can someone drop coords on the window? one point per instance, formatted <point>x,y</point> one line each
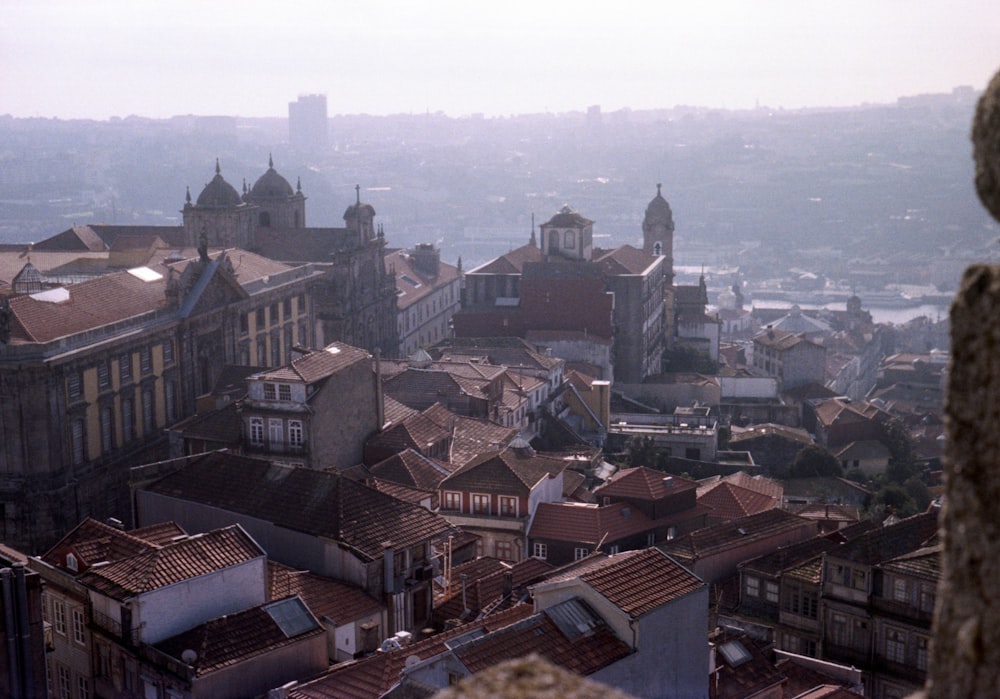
<point>615,548</point>
<point>858,579</point>
<point>895,645</point>
<point>579,553</point>
<point>303,339</point>
<point>275,349</point>
<point>288,342</point>
<point>650,538</point>
<point>244,323</point>
<point>125,368</point>
<point>74,386</point>
<point>295,434</point>
<point>145,360</point>
<point>261,351</point>
<point>59,616</point>
<point>82,688</point>
<point>257,431</point>
<point>926,597</point>
<point>62,672</point>
<point>287,308</point>
<point>284,391</point>
<point>751,586</point>
<point>103,660</point>
<point>128,420</point>
<point>452,500</point>
<point>540,550</point>
<point>301,304</point>
<point>77,442</point>
<point>569,239</point>
<point>148,416</point>
<point>170,400</point>
<point>103,375</point>
<point>274,314</point>
<point>270,393</point>
<point>899,591</point>
<point>671,533</point>
<point>107,428</point>
<point>71,563</point>
<point>771,592</point>
<point>168,351</point>
<point>259,320</point>
<point>504,550</point>
<point>275,432</point>
<point>508,506</point>
<point>480,504</point>
<point>922,646</point>
<point>78,626</point>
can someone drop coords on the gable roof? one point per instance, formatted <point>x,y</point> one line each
<point>510,263</point>
<point>411,468</point>
<point>731,501</point>
<point>891,541</point>
<point>506,471</point>
<point>625,259</point>
<point>301,499</point>
<point>637,582</point>
<point>318,365</point>
<point>93,542</point>
<point>587,523</point>
<point>643,483</point>
<point>187,558</point>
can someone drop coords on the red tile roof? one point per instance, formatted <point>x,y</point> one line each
<point>730,501</point>
<point>235,638</point>
<point>511,263</point>
<point>410,468</point>
<point>586,523</point>
<point>625,260</point>
<point>636,582</point>
<point>92,542</point>
<point>376,674</point>
<point>318,365</point>
<point>508,471</point>
<point>732,534</point>
<point>326,598</point>
<point>302,499</point>
<point>185,559</point>
<point>642,483</point>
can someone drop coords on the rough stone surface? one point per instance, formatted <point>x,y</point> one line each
<point>986,147</point>
<point>530,677</point>
<point>965,658</point>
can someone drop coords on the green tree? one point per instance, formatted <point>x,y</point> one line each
<point>814,460</point>
<point>641,451</point>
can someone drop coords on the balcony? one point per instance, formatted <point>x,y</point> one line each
<point>114,627</point>
<point>283,447</point>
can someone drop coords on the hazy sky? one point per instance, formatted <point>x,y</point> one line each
<point>101,58</point>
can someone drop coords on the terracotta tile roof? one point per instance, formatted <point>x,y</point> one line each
<point>406,293</point>
<point>92,542</point>
<point>625,260</point>
<point>161,534</point>
<point>302,499</point>
<point>923,563</point>
<point>824,512</point>
<point>508,471</point>
<point>238,638</point>
<point>376,674</point>
<point>90,304</point>
<point>185,559</point>
<point>581,653</point>
<point>415,496</point>
<point>484,584</point>
<point>749,674</point>
<point>317,365</point>
<point>731,501</point>
<point>299,244</point>
<point>781,339</point>
<point>586,523</point>
<point>732,534</point>
<point>473,436</point>
<point>396,412</point>
<point>511,263</point>
<point>410,468</point>
<point>642,483</point>
<point>889,542</point>
<point>326,598</point>
<point>790,556</point>
<point>636,582</point>
<point>498,355</point>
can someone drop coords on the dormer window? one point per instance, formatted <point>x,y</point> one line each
<point>270,391</point>
<point>284,391</point>
<point>71,563</point>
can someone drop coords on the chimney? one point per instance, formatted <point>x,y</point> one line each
<point>603,411</point>
<point>426,259</point>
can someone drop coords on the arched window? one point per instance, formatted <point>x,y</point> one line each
<point>553,241</point>
<point>569,239</point>
<point>657,248</point>
<point>265,219</point>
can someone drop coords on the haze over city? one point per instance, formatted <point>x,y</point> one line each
<point>112,58</point>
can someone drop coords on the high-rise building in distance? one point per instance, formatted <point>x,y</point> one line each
<point>307,122</point>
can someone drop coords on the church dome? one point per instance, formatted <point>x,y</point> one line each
<point>219,193</point>
<point>271,185</point>
<point>658,210</point>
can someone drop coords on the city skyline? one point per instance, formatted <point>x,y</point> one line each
<point>110,58</point>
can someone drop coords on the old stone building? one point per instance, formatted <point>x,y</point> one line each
<point>95,364</point>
